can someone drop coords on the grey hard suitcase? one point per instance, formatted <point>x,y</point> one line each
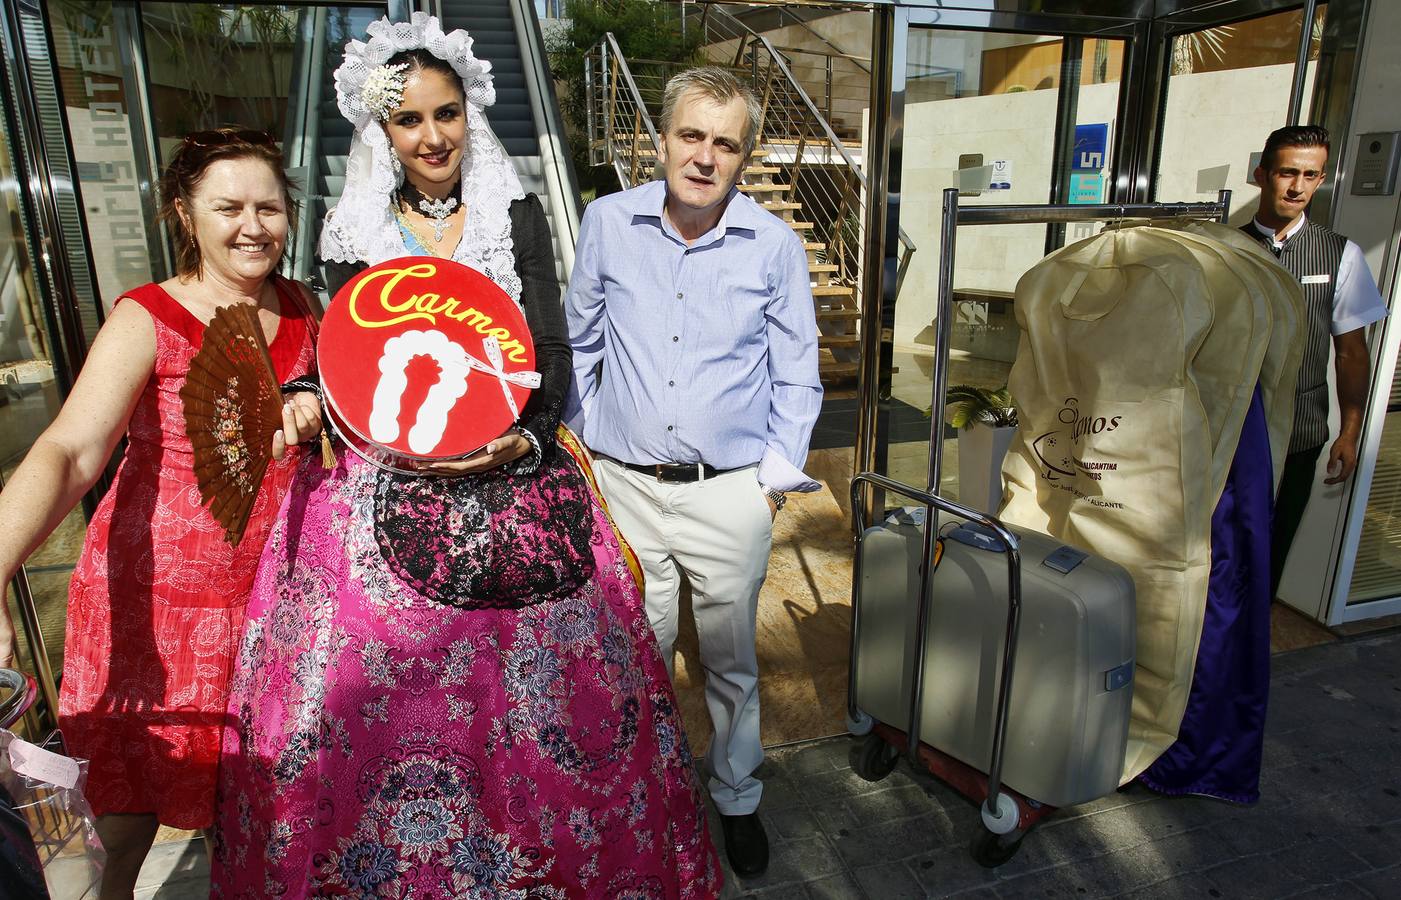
<point>1068,714</point>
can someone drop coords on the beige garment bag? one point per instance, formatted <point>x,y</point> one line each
<point>1139,353</point>
<point>1280,371</point>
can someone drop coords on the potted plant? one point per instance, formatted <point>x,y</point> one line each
<point>986,419</point>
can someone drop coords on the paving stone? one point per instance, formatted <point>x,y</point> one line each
<point>1032,856</point>
<point>1342,891</point>
<point>1319,862</point>
<point>1193,886</point>
<point>786,892</point>
<point>887,881</point>
<point>833,817</point>
<point>1063,882</point>
<point>898,803</point>
<point>1378,845</point>
<point>1383,885</point>
<point>1376,805</point>
<point>780,792</point>
<point>844,783</point>
<point>950,871</point>
<point>1249,835</point>
<point>1118,829</point>
<point>175,863</point>
<point>792,822</point>
<point>1252,876</point>
<point>1132,869</point>
<point>794,862</point>
<point>1149,863</point>
<point>816,758</point>
<point>1131,795</point>
<point>835,887</point>
<point>882,842</point>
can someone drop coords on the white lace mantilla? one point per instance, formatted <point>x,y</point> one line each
<point>362,227</point>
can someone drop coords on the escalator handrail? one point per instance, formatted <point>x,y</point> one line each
<point>557,163</point>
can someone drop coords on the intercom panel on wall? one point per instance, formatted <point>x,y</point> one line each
<point>1374,171</point>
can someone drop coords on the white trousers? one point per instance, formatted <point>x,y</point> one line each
<point>718,533</point>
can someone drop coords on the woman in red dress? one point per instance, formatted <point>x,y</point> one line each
<point>156,601</point>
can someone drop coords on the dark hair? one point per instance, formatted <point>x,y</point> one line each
<point>187,167</point>
<point>1292,136</point>
<point>420,60</point>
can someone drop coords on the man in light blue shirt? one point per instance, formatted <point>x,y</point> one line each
<point>691,316</point>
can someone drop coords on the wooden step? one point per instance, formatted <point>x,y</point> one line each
<point>762,170</point>
<point>814,245</point>
<point>827,341</point>
<point>837,371</point>
<point>802,226</point>
<point>765,188</point>
<point>775,206</point>
<point>832,290</point>
<point>822,268</point>
<point>837,315</point>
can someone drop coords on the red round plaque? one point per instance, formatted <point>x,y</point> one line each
<point>424,359</point>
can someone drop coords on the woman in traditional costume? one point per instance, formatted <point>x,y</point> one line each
<point>155,605</point>
<point>448,686</point>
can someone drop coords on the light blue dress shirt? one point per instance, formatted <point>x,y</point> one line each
<point>709,351</point>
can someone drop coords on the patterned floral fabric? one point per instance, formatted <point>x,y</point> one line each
<point>155,606</point>
<point>382,744</point>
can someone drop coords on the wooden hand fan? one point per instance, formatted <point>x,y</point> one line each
<point>233,405</point>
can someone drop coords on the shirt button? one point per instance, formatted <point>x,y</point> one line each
<point>671,384</point>
<point>675,338</point>
<point>679,295</point>
<point>668,428</point>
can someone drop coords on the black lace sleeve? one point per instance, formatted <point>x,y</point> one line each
<point>535,263</point>
<point>338,273</point>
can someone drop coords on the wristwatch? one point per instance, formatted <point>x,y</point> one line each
<point>778,498</point>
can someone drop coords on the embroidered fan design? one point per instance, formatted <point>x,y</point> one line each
<point>233,406</point>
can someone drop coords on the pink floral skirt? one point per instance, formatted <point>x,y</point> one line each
<point>380,744</point>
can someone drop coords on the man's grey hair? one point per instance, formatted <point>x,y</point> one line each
<point>719,85</point>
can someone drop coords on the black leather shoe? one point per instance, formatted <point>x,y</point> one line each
<point>746,844</point>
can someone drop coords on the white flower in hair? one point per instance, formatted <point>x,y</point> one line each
<point>383,90</point>
<point>364,60</point>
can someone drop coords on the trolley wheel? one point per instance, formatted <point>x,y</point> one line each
<point>992,850</point>
<point>861,725</point>
<point>873,758</point>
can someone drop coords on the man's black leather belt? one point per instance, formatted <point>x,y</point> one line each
<point>677,471</point>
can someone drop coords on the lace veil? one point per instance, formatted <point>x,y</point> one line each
<point>362,227</point>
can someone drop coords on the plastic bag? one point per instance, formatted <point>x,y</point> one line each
<point>49,849</point>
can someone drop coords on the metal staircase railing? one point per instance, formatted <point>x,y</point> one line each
<point>620,129</point>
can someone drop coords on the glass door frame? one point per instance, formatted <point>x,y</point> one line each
<point>883,156</point>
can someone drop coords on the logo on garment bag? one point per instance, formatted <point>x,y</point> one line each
<point>1057,449</point>
<point>425,359</point>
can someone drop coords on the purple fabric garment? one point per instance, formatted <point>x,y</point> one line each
<point>1219,745</point>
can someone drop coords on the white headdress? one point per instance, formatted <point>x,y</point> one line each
<point>363,227</point>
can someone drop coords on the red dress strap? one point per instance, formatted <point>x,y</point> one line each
<point>168,311</point>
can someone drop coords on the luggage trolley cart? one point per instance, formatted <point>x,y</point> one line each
<point>1006,814</point>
